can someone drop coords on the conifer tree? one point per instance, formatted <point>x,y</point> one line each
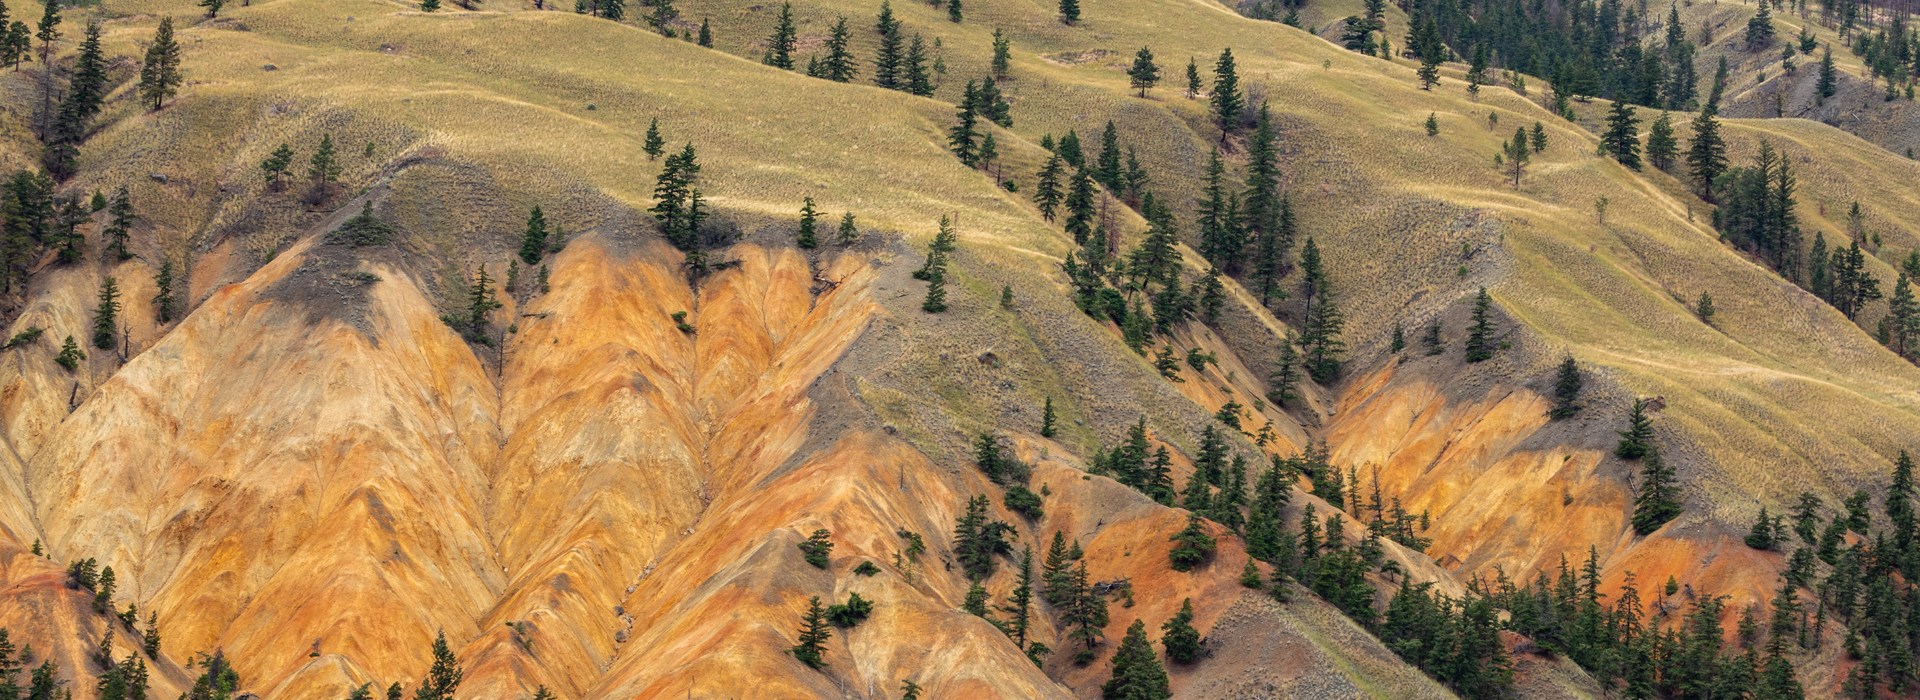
<point>848,235</point>
<point>839,65</point>
<point>322,170</point>
<point>1002,54</point>
<point>1192,546</point>
<point>806,238</point>
<point>1658,498</point>
<point>1828,77</point>
<point>429,5</point>
<point>119,224</point>
<point>1228,103</point>
<point>1661,145</point>
<point>160,75</point>
<point>1424,40</point>
<point>481,302</point>
<point>1539,137</point>
<point>106,315</point>
<point>165,303</point>
<point>1144,74</point>
<point>1320,336</point>
<point>1566,390</point>
<point>1622,137</point>
<point>213,7</point>
<point>1706,154</point>
<point>1637,439</point>
<point>1480,340</point>
<point>1046,188</point>
<point>70,355</point>
<point>1761,536</point>
<point>1019,607</point>
<point>1080,211</point>
<point>888,60</point>
<point>954,12</point>
<point>1193,78</point>
<point>780,45</point>
<point>1137,673</point>
<point>814,633</point>
<point>935,270</point>
<point>675,199</point>
<point>655,144</point>
<point>1178,636</point>
<point>443,678</point>
<point>1069,12</point>
<point>533,242</point>
<point>1433,125</point>
<point>1514,156</point>
<point>1283,384</point>
<point>918,80</point>
<point>276,165</point>
<point>962,138</point>
<point>706,34</point>
<point>1704,309</point>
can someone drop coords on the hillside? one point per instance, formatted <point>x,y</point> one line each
<point>313,472</point>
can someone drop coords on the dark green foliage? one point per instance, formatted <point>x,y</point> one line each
<point>443,678</point>
<point>1019,607</point>
<point>1662,147</point>
<point>1762,535</point>
<point>1178,636</point>
<point>1144,73</point>
<point>866,568</point>
<point>160,74</point>
<point>817,548</point>
<point>1069,12</point>
<point>909,690</point>
<point>976,602</point>
<point>962,139</point>
<point>655,144</point>
<point>1024,501</point>
<point>850,614</point>
<point>1002,54</point>
<point>807,237</point>
<point>119,224</point>
<point>1756,212</point>
<point>1706,153</point>
<point>1566,390</point>
<point>103,591</point>
<point>533,243</point>
<point>1538,137</point>
<point>814,634</point>
<point>1480,340</point>
<point>977,539</point>
<point>1514,155</point>
<point>890,59</point>
<point>1228,102</point>
<point>935,269</point>
<point>780,44</point>
<point>25,337</point>
<point>364,229</point>
<point>1657,499</point>
<point>677,202</point>
<point>323,170</point>
<point>839,65</point>
<point>1704,309</point>
<point>70,355</point>
<point>1047,429</point>
<point>914,69</point>
<point>1622,137</point>
<point>481,303</point>
<point>1137,673</point>
<point>1192,546</point>
<point>1423,39</point>
<point>954,12</point>
<point>1828,83</point>
<point>276,165</point>
<point>1320,335</point>
<point>106,314</point>
<point>1637,439</point>
<point>1433,125</point>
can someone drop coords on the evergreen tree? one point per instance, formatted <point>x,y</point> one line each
<point>1283,384</point>
<point>706,34</point>
<point>1144,74</point>
<point>954,13</point>
<point>962,138</point>
<point>165,302</point>
<point>814,634</point>
<point>533,242</point>
<point>839,65</point>
<point>160,75</point>
<point>213,7</point>
<point>1514,155</point>
<point>1137,673</point>
<point>1192,545</point>
<point>806,238</point>
<point>1046,188</point>
<point>276,165</point>
<point>106,315</point>
<point>935,270</point>
<point>1424,40</point>
<point>1761,536</point>
<point>1539,137</point>
<point>1178,636</point>
<point>1760,32</point>
<point>1193,78</point>
<point>429,5</point>
<point>1002,54</point>
<point>890,58</point>
<point>1047,419</point>
<point>322,170</point>
<point>1069,12</point>
<point>1658,498</point>
<point>1662,147</point>
<point>443,678</point>
<point>1433,125</point>
<point>70,355</point>
<point>1480,340</point>
<point>1704,309</point>
<point>1706,154</point>
<point>1566,390</point>
<point>119,224</point>
<point>655,144</point>
<point>1080,209</point>
<point>1622,137</point>
<point>914,67</point>
<point>1320,335</point>
<point>847,234</point>
<point>780,44</point>
<point>1228,103</point>
<point>675,206</point>
<point>1019,607</point>
<point>1637,440</point>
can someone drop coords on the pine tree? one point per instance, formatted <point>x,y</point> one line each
<point>839,65</point>
<point>935,270</point>
<point>165,303</point>
<point>1426,44</point>
<point>1658,498</point>
<point>322,170</point>
<point>1137,673</point>
<point>213,7</point>
<point>533,242</point>
<point>780,45</point>
<point>1704,309</point>
<point>962,138</point>
<point>1761,536</point>
<point>1539,137</point>
<point>1637,439</point>
<point>1192,545</point>
<point>1480,340</point>
<point>1069,12</point>
<point>443,678</point>
<point>160,75</point>
<point>706,34</point>
<point>655,144</point>
<point>1002,54</point>
<point>814,634</point>
<point>1566,390</point>
<point>70,355</point>
<point>480,303</point>
<point>1622,137</point>
<point>1046,188</point>
<point>429,5</point>
<point>1144,74</point>
<point>918,80</point>
<point>1514,156</point>
<point>1080,209</point>
<point>1433,125</point>
<point>1283,384</point>
<point>1662,147</point>
<point>1228,103</point>
<point>1193,78</point>
<point>276,165</point>
<point>847,234</point>
<point>887,62</point>
<point>806,237</point>
<point>674,196</point>
<point>106,315</point>
<point>1019,607</point>
<point>1178,636</point>
<point>954,12</point>
<point>1320,335</point>
<point>119,224</point>
<point>1706,154</point>
<point>1828,83</point>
